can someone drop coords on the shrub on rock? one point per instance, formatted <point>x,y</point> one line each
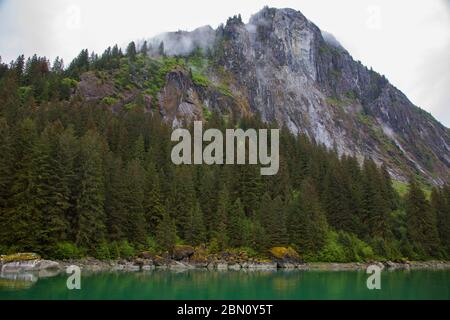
<point>285,254</point>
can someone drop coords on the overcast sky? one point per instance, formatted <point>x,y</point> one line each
<point>406,40</point>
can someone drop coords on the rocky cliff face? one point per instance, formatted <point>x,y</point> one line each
<point>281,66</point>
<point>291,74</point>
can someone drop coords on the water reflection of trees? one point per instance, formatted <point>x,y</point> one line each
<point>17,281</point>
<point>202,284</point>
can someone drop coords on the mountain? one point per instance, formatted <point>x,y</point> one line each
<point>282,67</point>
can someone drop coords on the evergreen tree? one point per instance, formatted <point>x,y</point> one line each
<point>79,65</point>
<point>19,66</point>
<point>277,232</point>
<point>65,166</point>
<point>161,50</point>
<point>131,51</point>
<point>248,187</point>
<point>266,220</point>
<point>387,189</point>
<point>144,48</point>
<point>166,233</point>
<point>336,199</point>
<point>133,201</point>
<point>220,221</point>
<point>196,233</point>
<point>375,207</point>
<point>10,99</point>
<point>279,185</point>
<point>50,189</point>
<point>6,164</point>
<point>182,199</point>
<point>255,235</point>
<point>354,188</point>
<point>115,208</point>
<point>58,66</point>
<point>23,218</point>
<point>307,224</point>
<point>154,208</point>
<point>90,230</point>
<point>139,150</point>
<point>235,221</point>
<point>440,203</point>
<point>207,196</point>
<point>421,222</point>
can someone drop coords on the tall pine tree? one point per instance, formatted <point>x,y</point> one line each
<point>90,229</point>
<point>421,222</point>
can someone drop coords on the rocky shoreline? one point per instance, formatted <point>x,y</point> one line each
<point>93,265</point>
<point>29,263</point>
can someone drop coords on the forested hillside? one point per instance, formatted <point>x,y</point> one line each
<point>93,177</point>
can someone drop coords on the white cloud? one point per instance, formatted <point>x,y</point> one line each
<point>406,40</point>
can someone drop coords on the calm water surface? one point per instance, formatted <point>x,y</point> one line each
<point>233,285</point>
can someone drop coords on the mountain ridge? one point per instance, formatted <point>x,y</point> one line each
<point>279,65</point>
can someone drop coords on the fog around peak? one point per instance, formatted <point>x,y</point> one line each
<point>409,47</point>
<point>184,42</point>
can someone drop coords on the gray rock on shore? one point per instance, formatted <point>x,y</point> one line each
<point>29,265</point>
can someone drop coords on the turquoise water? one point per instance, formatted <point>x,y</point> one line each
<point>234,285</point>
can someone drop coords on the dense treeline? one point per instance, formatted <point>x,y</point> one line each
<point>78,179</point>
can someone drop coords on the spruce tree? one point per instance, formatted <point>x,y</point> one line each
<point>279,185</point>
<point>166,235</point>
<point>266,219</point>
<point>154,208</point>
<point>144,48</point>
<point>273,221</point>
<point>161,50</point>
<point>220,221</point>
<point>131,51</point>
<point>115,208</point>
<point>6,176</point>
<point>440,203</point>
<point>444,218</point>
<point>90,230</point>
<point>196,233</point>
<point>421,222</point>
<point>387,189</point>
<point>133,200</point>
<point>207,196</point>
<point>23,216</point>
<point>248,187</point>
<point>375,206</point>
<point>353,181</point>
<point>50,189</point>
<point>307,225</point>
<point>139,150</point>
<point>235,222</point>
<point>255,235</point>
<point>9,98</point>
<point>278,231</point>
<point>336,195</point>
<point>65,166</point>
<point>182,199</point>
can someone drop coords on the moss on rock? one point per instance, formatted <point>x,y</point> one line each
<point>284,253</point>
<point>26,256</point>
